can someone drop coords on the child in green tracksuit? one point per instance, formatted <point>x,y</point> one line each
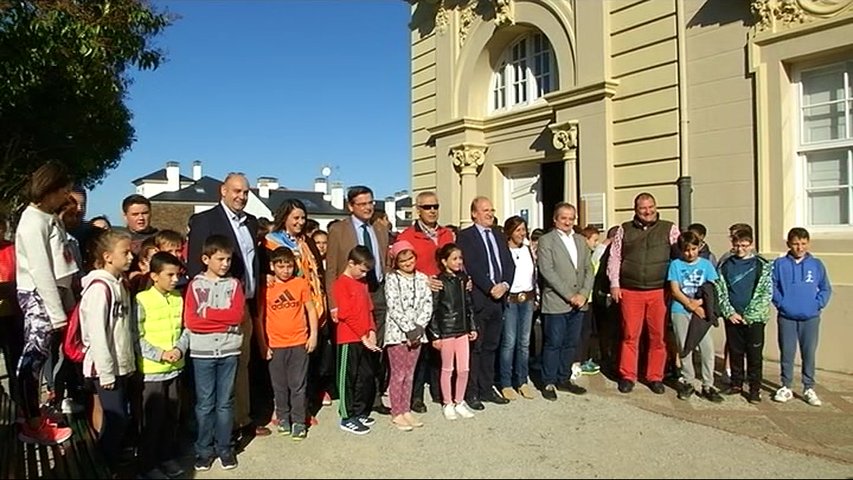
<point>744,289</point>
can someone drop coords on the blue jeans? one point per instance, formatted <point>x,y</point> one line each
<point>792,332</point>
<point>214,408</point>
<point>560,334</point>
<point>515,344</point>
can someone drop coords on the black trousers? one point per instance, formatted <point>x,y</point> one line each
<point>161,407</point>
<point>114,404</point>
<point>427,370</point>
<point>321,369</point>
<point>12,345</point>
<point>377,296</point>
<point>482,378</point>
<point>607,326</point>
<point>746,341</point>
<point>356,380</point>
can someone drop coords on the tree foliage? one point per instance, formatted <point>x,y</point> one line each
<point>64,77</point>
<point>425,11</point>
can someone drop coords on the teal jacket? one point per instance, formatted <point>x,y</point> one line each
<point>758,309</point>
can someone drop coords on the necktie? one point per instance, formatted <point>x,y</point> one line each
<point>368,243</point>
<point>493,259</point>
<point>365,236</point>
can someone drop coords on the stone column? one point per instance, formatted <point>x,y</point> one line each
<point>565,139</point>
<point>468,158</point>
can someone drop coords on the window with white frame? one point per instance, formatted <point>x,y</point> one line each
<point>826,144</point>
<point>526,73</point>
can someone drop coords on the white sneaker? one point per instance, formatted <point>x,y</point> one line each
<point>463,410</point>
<point>783,395</point>
<point>811,397</point>
<point>576,371</point>
<point>70,407</point>
<point>450,412</point>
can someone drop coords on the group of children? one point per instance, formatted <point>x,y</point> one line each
<point>739,290</point>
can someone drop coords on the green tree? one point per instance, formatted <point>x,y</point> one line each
<point>64,77</point>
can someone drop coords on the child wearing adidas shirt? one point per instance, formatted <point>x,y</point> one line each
<point>287,324</point>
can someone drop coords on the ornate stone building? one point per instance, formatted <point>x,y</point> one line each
<point>727,111</point>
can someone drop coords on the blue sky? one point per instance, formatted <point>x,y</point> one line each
<point>274,88</point>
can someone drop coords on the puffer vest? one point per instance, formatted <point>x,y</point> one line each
<point>646,252</point>
<point>162,327</point>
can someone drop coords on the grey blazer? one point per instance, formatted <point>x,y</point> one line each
<point>560,278</point>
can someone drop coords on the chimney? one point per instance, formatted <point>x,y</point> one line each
<point>270,182</point>
<point>337,199</point>
<point>263,187</point>
<point>173,176</point>
<point>197,170</point>
<point>391,211</point>
<point>320,185</point>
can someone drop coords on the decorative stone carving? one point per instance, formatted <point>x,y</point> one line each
<point>504,13</point>
<point>442,18</point>
<point>565,135</point>
<point>466,19</point>
<point>777,15</point>
<point>468,158</point>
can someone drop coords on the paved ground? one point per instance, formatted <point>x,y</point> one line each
<point>603,434</point>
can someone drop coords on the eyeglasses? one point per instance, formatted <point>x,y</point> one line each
<point>362,204</point>
<point>431,206</point>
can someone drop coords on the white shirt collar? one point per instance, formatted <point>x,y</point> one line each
<point>232,215</point>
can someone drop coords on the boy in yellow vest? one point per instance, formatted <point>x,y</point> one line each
<point>163,343</point>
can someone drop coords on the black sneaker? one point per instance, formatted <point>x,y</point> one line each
<point>754,396</point>
<point>712,395</point>
<point>284,427</point>
<point>625,386</point>
<point>549,392</point>
<point>354,426</point>
<point>203,464</point>
<point>733,390</point>
<point>367,421</point>
<point>657,387</point>
<point>571,387</point>
<point>228,461</point>
<point>685,392</point>
<point>298,432</point>
<point>418,406</point>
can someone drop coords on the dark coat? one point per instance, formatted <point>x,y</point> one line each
<point>216,222</point>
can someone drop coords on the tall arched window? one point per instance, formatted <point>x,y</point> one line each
<point>527,71</point>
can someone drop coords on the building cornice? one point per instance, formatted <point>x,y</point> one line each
<point>584,94</point>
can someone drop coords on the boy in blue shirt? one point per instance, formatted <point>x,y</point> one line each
<point>686,276</point>
<point>801,291</point>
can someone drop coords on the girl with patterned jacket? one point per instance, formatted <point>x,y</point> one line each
<point>409,301</point>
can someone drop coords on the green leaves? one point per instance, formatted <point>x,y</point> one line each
<point>63,79</point>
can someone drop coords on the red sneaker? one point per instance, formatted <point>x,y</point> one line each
<point>327,399</point>
<point>312,421</point>
<point>45,434</point>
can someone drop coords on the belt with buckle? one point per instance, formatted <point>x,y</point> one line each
<point>522,297</point>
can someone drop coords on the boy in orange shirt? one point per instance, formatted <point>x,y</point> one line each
<point>288,322</point>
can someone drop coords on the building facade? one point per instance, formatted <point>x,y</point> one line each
<point>735,111</point>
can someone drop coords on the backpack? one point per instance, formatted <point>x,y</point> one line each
<point>72,344</point>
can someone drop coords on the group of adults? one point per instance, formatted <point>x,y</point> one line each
<point>509,281</point>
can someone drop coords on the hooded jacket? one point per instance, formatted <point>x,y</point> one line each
<point>106,328</point>
<point>800,290</point>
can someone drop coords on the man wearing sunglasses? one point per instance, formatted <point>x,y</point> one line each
<point>427,236</point>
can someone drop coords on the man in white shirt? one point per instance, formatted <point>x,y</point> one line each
<point>565,268</point>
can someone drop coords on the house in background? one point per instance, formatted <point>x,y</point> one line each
<point>726,111</point>
<point>172,203</point>
<point>398,207</point>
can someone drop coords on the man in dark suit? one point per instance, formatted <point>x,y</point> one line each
<point>358,229</point>
<point>228,218</point>
<point>489,263</point>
